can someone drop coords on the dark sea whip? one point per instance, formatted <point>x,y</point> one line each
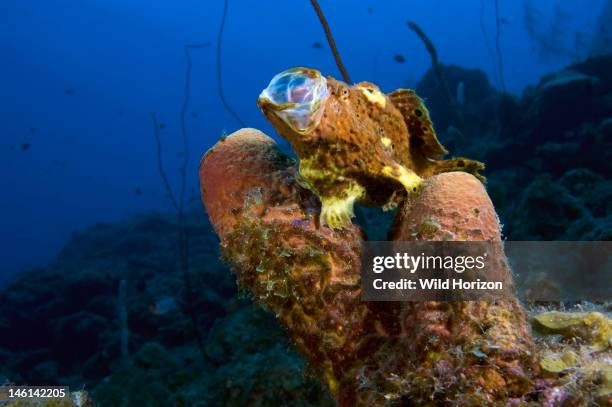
<point>179,202</point>
<point>186,100</point>
<point>500,65</point>
<point>219,71</point>
<point>330,40</point>
<point>483,29</point>
<point>437,68</point>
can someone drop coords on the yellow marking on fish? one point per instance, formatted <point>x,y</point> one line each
<point>386,141</point>
<point>374,96</point>
<point>310,170</point>
<point>388,171</point>
<point>332,382</point>
<point>408,178</point>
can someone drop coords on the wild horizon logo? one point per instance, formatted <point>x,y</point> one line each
<point>461,270</point>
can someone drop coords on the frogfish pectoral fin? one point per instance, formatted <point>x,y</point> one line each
<point>337,210</point>
<point>458,164</point>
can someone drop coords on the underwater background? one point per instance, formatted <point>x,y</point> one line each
<point>87,230</point>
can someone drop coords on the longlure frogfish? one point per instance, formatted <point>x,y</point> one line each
<point>355,143</point>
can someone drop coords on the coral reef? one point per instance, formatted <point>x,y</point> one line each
<point>354,142</point>
<point>81,292</point>
<point>565,147</point>
<point>476,91</point>
<point>548,176</point>
<point>601,38</point>
<point>574,356</point>
<point>74,399</point>
<point>537,146</point>
<point>59,325</point>
<point>365,353</point>
<point>593,326</point>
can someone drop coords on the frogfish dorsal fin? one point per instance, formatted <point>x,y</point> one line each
<point>423,139</point>
<point>425,149</point>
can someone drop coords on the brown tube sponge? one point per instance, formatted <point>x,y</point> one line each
<point>480,352</point>
<point>378,353</point>
<point>452,206</point>
<point>268,225</point>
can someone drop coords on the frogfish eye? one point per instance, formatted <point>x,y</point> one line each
<point>297,97</point>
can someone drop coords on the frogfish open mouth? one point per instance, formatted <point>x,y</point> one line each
<point>296,96</point>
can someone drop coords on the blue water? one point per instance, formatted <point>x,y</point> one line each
<point>79,79</point>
